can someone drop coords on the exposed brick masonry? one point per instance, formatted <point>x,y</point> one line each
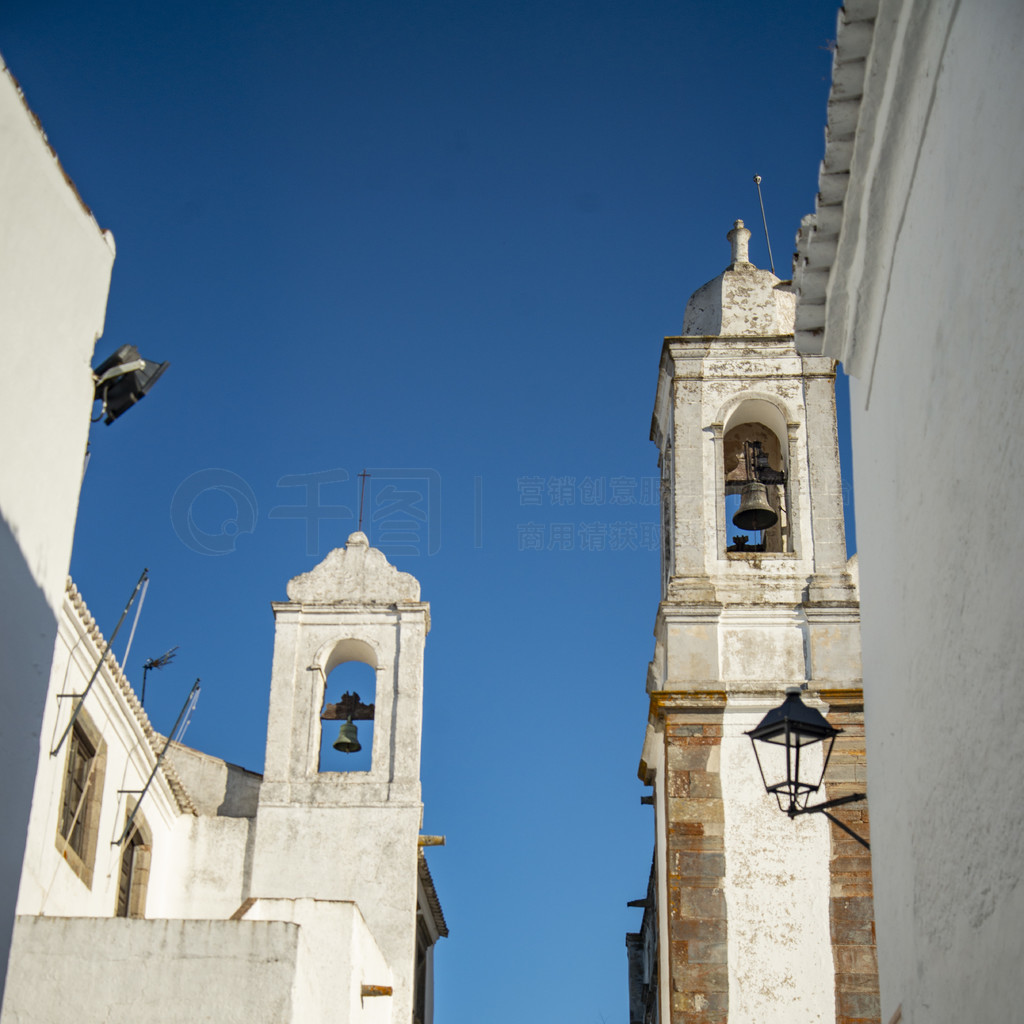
<point>695,850</point>
<point>851,908</point>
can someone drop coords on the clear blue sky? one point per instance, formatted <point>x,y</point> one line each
<point>443,240</point>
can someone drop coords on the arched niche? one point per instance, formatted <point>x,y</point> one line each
<point>349,649</point>
<point>754,447</point>
<point>349,671</point>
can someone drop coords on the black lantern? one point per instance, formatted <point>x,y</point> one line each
<point>786,734</point>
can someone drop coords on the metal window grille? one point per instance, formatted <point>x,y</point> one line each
<point>72,824</point>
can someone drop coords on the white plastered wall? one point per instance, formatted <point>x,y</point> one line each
<point>928,310</point>
<point>49,886</point>
<point>172,971</point>
<point>55,266</point>
<point>777,889</point>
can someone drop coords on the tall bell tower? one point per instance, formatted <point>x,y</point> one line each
<point>750,916</point>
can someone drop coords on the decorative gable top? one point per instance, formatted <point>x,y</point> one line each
<point>354,574</point>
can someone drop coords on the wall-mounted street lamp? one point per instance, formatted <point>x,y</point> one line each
<point>785,734</point>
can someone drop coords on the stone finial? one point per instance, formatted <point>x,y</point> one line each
<point>742,301</point>
<point>739,237</point>
<point>354,574</point>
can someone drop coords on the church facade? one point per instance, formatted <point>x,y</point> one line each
<point>750,916</point>
<point>162,882</point>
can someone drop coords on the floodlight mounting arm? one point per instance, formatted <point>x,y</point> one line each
<point>120,370</point>
<point>793,811</point>
<point>112,374</point>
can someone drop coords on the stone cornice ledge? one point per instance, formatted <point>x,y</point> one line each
<point>679,611</point>
<point>704,701</point>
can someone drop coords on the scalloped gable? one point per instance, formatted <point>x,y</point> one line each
<point>743,301</point>
<point>355,573</point>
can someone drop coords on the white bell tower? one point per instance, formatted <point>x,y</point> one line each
<point>328,837</point>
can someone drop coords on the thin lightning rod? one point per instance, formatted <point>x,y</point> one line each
<point>764,221</point>
<point>362,491</point>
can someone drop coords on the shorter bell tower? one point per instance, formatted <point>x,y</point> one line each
<point>335,836</point>
<point>750,916</point>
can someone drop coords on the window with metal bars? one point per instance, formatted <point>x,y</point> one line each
<point>77,782</point>
<point>78,813</point>
<point>127,877</point>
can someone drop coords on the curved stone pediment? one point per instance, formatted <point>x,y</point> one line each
<point>355,573</point>
<point>743,301</point>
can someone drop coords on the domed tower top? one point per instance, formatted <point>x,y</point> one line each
<point>743,301</point>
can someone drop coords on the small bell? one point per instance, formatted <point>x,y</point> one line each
<point>348,738</point>
<point>754,512</point>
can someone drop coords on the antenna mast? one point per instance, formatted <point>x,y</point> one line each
<point>764,221</point>
<point>362,491</point>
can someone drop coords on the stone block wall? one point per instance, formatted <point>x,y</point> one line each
<point>695,849</point>
<point>851,907</point>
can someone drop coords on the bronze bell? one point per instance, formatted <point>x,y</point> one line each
<point>348,738</point>
<point>754,512</point>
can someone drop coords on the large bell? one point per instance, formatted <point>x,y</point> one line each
<point>348,738</point>
<point>754,512</point>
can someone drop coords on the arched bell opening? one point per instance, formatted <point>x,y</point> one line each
<point>757,516</point>
<point>347,715</point>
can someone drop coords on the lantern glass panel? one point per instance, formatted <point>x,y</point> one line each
<point>772,760</point>
<point>792,772</point>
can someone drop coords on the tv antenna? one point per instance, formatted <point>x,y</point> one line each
<point>165,659</point>
<point>764,221</point>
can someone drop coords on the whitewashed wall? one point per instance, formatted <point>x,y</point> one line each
<point>49,886</point>
<point>68,941</point>
<point>926,304</point>
<point>175,972</point>
<point>55,267</point>
<point>288,962</point>
<point>777,885</point>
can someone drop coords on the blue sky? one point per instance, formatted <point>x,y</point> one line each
<point>442,242</point>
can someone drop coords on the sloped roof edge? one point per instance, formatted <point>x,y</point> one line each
<point>153,738</point>
<point>432,897</point>
<point>818,238</point>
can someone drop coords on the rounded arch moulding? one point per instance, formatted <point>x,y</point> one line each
<point>756,407</point>
<point>345,648</point>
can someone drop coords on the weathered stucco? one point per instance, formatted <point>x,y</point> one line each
<point>742,300</point>
<point>175,972</point>
<point>777,890</point>
<point>354,574</point>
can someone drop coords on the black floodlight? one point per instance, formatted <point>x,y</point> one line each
<point>787,732</point>
<point>122,380</point>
